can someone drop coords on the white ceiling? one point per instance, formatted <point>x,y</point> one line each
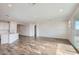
<point>36,12</point>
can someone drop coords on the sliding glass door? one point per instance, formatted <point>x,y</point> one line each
<point>76,33</point>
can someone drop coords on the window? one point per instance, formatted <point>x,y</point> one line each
<point>77,25</point>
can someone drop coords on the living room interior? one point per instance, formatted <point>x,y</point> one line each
<point>39,28</point>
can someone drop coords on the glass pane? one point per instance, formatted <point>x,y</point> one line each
<point>77,25</point>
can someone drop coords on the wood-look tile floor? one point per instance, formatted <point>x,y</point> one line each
<point>39,46</point>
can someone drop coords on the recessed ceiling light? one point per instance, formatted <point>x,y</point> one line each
<point>61,10</point>
<point>9,5</point>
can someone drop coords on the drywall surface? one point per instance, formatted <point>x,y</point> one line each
<point>4,27</point>
<point>23,30</point>
<point>31,30</point>
<point>54,29</point>
<point>13,27</point>
<point>27,30</point>
<point>6,36</point>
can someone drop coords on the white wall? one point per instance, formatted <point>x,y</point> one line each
<point>13,36</point>
<point>13,27</point>
<point>54,29</point>
<point>31,30</point>
<point>6,36</point>
<point>71,34</point>
<point>26,30</point>
<point>4,27</point>
<point>23,30</point>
